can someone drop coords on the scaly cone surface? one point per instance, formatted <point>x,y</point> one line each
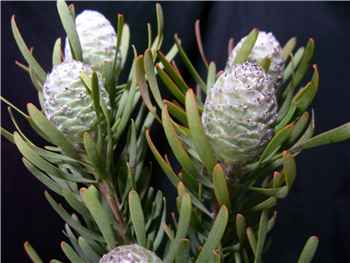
<point>266,46</point>
<point>239,113</point>
<point>97,38</point>
<point>130,254</point>
<point>67,103</point>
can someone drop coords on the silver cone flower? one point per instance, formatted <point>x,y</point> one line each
<point>130,254</point>
<point>268,46</point>
<point>239,112</point>
<point>66,101</point>
<point>97,38</point>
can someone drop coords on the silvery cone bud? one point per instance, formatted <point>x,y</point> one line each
<point>97,39</point>
<point>130,254</point>
<point>266,45</point>
<point>239,113</point>
<point>66,101</point>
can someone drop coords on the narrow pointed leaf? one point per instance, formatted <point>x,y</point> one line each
<point>247,46</point>
<point>173,73</point>
<point>151,78</point>
<point>339,134</point>
<point>182,228</point>
<point>88,250</point>
<point>102,218</point>
<point>69,26</point>
<point>27,54</point>
<point>266,204</point>
<point>57,53</point>
<point>211,75</point>
<point>137,217</point>
<point>72,222</point>
<point>220,187</point>
<point>179,150</point>
<point>7,135</point>
<point>184,255</point>
<point>288,48</point>
<point>32,253</point>
<point>171,85</point>
<point>241,226</point>
<point>309,250</point>
<point>199,138</point>
<point>289,169</point>
<point>299,128</point>
<point>262,233</point>
<point>51,131</point>
<point>70,253</point>
<point>277,140</point>
<point>251,239</point>
<point>189,65</point>
<point>215,235</point>
<point>293,64</point>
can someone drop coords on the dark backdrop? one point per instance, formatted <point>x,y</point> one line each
<point>320,202</point>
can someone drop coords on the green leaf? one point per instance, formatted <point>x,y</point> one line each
<point>309,250</point>
<point>51,131</point>
<point>215,235</point>
<point>94,156</point>
<point>27,54</point>
<point>102,218</point>
<point>32,253</point>
<point>277,140</point>
<point>151,77</point>
<point>7,135</point>
<point>288,48</point>
<point>278,192</point>
<point>266,204</point>
<point>339,134</point>
<point>287,117</point>
<point>70,253</point>
<point>177,112</point>
<point>262,233</point>
<point>43,178</point>
<point>251,239</point>
<point>184,255</point>
<point>57,53</point>
<point>69,26</point>
<point>83,231</point>
<point>88,250</point>
<point>173,73</point>
<point>171,86</point>
<point>305,96</point>
<point>241,226</point>
<point>36,82</point>
<point>189,65</point>
<point>220,187</point>
<point>289,169</point>
<point>137,217</point>
<point>302,68</point>
<point>179,150</point>
<point>168,170</point>
<point>299,127</point>
<point>211,77</point>
<point>265,64</point>
<point>199,138</point>
<point>182,228</point>
<point>160,27</point>
<point>247,46</point>
<point>124,44</point>
<point>293,64</point>
<point>307,133</point>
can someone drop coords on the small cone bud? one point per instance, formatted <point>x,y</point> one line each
<point>130,254</point>
<point>266,46</point>
<point>97,39</point>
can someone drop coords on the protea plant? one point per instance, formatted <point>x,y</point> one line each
<point>235,138</point>
<point>93,126</point>
<point>235,147</point>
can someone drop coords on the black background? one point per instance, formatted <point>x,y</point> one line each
<point>320,202</point>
